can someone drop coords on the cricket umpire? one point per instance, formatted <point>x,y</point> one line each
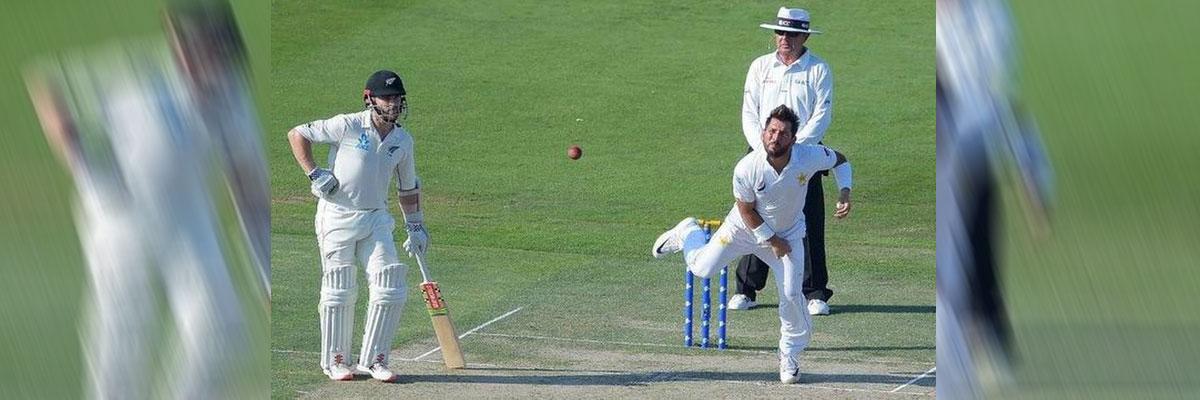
<point>795,77</point>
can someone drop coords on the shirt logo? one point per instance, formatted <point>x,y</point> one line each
<point>363,142</point>
<point>761,186</point>
<point>724,240</point>
<point>392,150</point>
<point>802,179</point>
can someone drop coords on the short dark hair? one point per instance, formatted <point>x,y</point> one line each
<point>784,114</point>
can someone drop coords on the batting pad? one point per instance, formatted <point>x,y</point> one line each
<point>338,294</point>
<point>388,291</point>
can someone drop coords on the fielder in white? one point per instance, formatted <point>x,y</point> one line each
<point>368,149</point>
<point>767,221</point>
<point>121,120</point>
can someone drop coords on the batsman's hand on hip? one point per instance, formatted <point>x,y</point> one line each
<point>418,239</point>
<point>323,184</point>
<point>843,204</point>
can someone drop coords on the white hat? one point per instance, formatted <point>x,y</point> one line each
<point>791,20</point>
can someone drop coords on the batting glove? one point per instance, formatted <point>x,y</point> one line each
<point>323,184</point>
<point>418,238</point>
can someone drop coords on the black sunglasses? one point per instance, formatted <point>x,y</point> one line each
<point>787,33</point>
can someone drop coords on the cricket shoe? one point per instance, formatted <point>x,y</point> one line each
<point>672,241</point>
<point>789,369</point>
<point>379,371</point>
<point>339,372</point>
<point>818,307</point>
<point>741,302</point>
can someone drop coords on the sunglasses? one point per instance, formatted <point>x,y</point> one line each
<point>787,33</point>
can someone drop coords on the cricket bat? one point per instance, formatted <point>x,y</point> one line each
<point>442,326</point>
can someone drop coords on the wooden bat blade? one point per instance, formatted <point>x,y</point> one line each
<point>443,328</point>
<point>452,355</point>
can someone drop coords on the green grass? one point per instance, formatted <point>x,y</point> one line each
<point>651,92</point>
<point>1101,309</point>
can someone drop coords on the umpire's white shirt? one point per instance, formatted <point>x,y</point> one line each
<point>364,165</point>
<point>805,86</point>
<point>779,196</point>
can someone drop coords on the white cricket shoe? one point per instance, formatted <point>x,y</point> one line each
<point>818,307</point>
<point>789,369</point>
<point>741,302</point>
<point>339,372</point>
<point>672,241</point>
<point>379,371</point>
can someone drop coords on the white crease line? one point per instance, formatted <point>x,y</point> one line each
<point>313,353</point>
<point>803,385</point>
<point>468,333</point>
<point>561,339</point>
<point>914,380</point>
<point>611,342</point>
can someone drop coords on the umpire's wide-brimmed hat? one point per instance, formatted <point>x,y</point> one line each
<point>385,83</point>
<point>791,20</point>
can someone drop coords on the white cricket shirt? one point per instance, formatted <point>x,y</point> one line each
<point>363,165</point>
<point>779,197</point>
<point>805,86</point>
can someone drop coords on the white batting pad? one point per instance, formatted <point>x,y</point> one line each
<point>388,290</point>
<point>338,294</point>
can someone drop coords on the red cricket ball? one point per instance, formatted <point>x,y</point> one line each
<point>574,152</point>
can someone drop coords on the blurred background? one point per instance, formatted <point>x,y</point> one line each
<point>44,278</point>
<point>1104,306</point>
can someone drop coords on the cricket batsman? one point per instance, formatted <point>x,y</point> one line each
<point>769,187</point>
<point>368,149</point>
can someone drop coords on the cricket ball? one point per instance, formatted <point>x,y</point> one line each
<point>574,152</point>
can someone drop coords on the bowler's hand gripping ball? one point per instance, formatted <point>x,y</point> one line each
<point>574,152</point>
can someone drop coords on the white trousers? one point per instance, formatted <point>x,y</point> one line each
<point>347,237</point>
<point>130,257</point>
<point>731,241</point>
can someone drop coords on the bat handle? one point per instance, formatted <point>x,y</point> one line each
<point>421,264</point>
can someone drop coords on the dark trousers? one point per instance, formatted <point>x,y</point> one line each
<point>979,216</point>
<point>752,272</point>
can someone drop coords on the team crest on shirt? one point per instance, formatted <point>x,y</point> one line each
<point>802,178</point>
<point>363,142</point>
<point>724,240</point>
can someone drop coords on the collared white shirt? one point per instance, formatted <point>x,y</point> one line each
<point>779,196</point>
<point>805,86</point>
<point>364,165</point>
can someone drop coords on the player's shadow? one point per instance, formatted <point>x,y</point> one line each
<point>566,377</point>
<point>880,309</point>
<point>838,348</point>
<point>866,308</point>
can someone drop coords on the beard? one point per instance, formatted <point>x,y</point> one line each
<point>388,114</point>
<point>779,150</point>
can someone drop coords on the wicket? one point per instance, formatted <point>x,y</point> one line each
<point>705,302</point>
